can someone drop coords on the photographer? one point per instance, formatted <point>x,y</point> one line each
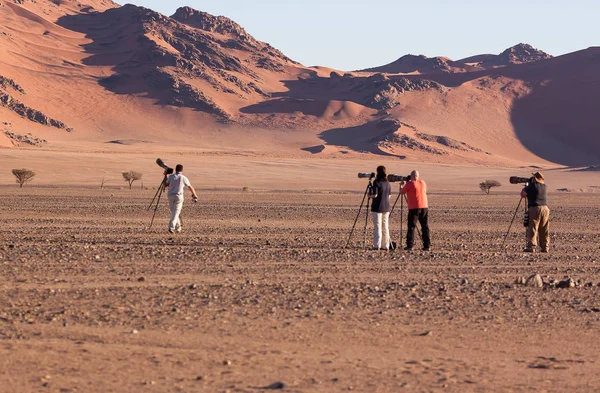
<point>539,214</point>
<point>416,193</point>
<point>380,210</point>
<point>176,183</point>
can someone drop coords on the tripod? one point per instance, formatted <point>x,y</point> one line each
<point>401,214</point>
<point>158,194</point>
<point>513,219</point>
<point>367,190</point>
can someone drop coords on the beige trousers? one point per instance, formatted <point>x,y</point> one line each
<point>381,230</point>
<point>175,205</point>
<point>539,225</point>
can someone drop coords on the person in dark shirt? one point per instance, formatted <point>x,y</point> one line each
<point>380,210</point>
<point>539,214</point>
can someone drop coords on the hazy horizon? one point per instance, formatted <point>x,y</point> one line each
<point>350,35</point>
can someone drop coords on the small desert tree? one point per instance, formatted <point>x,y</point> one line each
<point>488,184</point>
<point>23,175</point>
<point>131,176</point>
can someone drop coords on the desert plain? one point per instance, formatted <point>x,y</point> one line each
<point>259,292</point>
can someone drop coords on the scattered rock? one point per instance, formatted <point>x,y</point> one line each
<point>568,283</point>
<point>535,281</point>
<point>276,385</point>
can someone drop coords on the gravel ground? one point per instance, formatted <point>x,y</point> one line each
<point>258,293</point>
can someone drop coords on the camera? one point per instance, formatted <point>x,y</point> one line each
<point>397,178</point>
<point>520,180</point>
<point>164,166</point>
<point>366,175</point>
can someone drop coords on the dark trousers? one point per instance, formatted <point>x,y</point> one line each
<point>420,215</point>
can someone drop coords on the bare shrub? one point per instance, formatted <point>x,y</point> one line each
<point>23,176</point>
<point>131,176</point>
<point>489,184</point>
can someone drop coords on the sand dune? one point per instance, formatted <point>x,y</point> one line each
<point>128,73</point>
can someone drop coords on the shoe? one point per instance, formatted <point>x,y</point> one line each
<point>426,249</point>
<point>545,251</point>
<point>529,250</point>
<point>171,230</point>
<point>178,230</point>
<point>408,248</point>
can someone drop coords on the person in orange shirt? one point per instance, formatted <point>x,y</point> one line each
<point>418,210</point>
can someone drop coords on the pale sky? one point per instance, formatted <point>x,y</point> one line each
<point>352,34</point>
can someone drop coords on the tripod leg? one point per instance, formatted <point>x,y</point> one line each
<point>162,188</point>
<point>394,206</point>
<point>357,216</point>
<point>401,221</point>
<point>157,192</point>
<point>366,226</point>
<point>512,221</point>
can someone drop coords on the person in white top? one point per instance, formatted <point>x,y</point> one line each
<point>176,183</point>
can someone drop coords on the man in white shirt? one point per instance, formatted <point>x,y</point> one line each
<point>176,183</point>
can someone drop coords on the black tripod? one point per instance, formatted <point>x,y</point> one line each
<point>513,219</point>
<point>401,215</point>
<point>367,191</point>
<point>157,197</point>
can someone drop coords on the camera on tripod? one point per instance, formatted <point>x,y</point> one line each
<point>164,166</point>
<point>520,180</point>
<point>366,175</point>
<point>397,178</point>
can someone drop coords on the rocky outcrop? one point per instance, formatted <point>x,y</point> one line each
<point>386,93</point>
<point>7,83</point>
<point>398,139</point>
<point>34,115</point>
<point>419,141</point>
<point>236,36</point>
<point>184,95</point>
<point>413,63</point>
<point>395,138</point>
<point>189,46</point>
<point>448,142</point>
<point>519,54</point>
<point>27,139</point>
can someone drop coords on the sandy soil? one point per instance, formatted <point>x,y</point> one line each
<point>259,289</point>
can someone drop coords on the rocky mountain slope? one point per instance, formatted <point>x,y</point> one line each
<point>105,72</point>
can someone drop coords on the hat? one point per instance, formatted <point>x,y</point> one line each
<point>539,177</point>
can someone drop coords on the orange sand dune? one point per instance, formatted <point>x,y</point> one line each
<point>128,73</point>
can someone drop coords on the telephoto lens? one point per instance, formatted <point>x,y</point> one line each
<point>519,180</point>
<point>397,178</point>
<point>366,175</point>
<point>164,166</point>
